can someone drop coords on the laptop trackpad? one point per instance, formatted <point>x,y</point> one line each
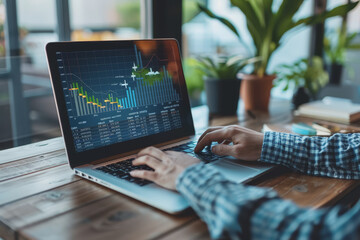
<point>235,172</point>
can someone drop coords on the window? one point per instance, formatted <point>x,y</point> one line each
<point>26,101</point>
<point>351,72</point>
<point>105,20</point>
<point>205,36</point>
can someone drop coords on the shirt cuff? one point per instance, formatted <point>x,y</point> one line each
<point>277,148</point>
<point>195,179</point>
<point>206,172</point>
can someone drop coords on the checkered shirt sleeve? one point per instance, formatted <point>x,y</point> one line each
<point>237,211</point>
<point>337,156</point>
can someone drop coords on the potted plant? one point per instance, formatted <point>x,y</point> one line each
<point>221,82</point>
<point>308,77</point>
<point>335,45</point>
<point>194,80</point>
<point>267,24</point>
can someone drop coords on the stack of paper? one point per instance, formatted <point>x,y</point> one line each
<point>336,111</point>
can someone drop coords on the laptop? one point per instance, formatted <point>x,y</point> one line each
<point>115,98</point>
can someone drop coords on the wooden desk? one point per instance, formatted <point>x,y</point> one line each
<point>41,198</point>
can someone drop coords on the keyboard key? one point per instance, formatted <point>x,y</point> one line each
<point>125,176</point>
<point>121,170</point>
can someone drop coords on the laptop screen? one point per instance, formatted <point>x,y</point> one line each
<point>115,95</point>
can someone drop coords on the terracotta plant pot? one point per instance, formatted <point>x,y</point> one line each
<point>255,91</point>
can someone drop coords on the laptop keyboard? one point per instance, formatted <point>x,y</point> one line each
<point>205,155</point>
<point>121,169</point>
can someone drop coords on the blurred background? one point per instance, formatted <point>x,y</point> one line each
<point>27,109</point>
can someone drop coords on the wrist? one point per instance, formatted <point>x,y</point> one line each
<point>277,148</point>
<point>195,177</point>
<point>184,174</point>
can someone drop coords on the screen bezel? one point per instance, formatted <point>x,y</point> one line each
<point>80,158</point>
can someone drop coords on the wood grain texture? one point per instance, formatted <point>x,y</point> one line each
<point>28,185</point>
<point>115,217</point>
<point>309,191</point>
<point>30,150</point>
<point>51,203</point>
<point>195,230</point>
<point>6,233</point>
<point>33,164</point>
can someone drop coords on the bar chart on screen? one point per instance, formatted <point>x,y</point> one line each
<point>122,85</point>
<point>92,102</point>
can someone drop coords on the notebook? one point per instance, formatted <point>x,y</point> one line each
<point>331,110</point>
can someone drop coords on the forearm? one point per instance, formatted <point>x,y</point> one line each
<point>242,212</point>
<point>280,219</point>
<point>337,156</point>
<point>226,207</point>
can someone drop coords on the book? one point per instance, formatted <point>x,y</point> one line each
<point>334,111</point>
<point>296,128</point>
<point>285,128</point>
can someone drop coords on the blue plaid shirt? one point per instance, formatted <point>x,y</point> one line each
<point>245,212</point>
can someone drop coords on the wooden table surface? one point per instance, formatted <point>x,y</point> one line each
<point>41,198</point>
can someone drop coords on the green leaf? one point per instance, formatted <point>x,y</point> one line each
<point>249,11</point>
<point>256,29</point>
<point>221,19</point>
<point>286,87</point>
<point>223,67</point>
<point>349,38</point>
<point>354,46</point>
<point>267,8</point>
<point>309,74</point>
<point>224,21</point>
<point>256,37</point>
<point>208,62</point>
<point>258,7</point>
<point>338,11</point>
<point>240,61</point>
<point>284,17</point>
<point>193,75</point>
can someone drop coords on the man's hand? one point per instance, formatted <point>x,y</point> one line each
<point>246,143</point>
<point>167,166</point>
